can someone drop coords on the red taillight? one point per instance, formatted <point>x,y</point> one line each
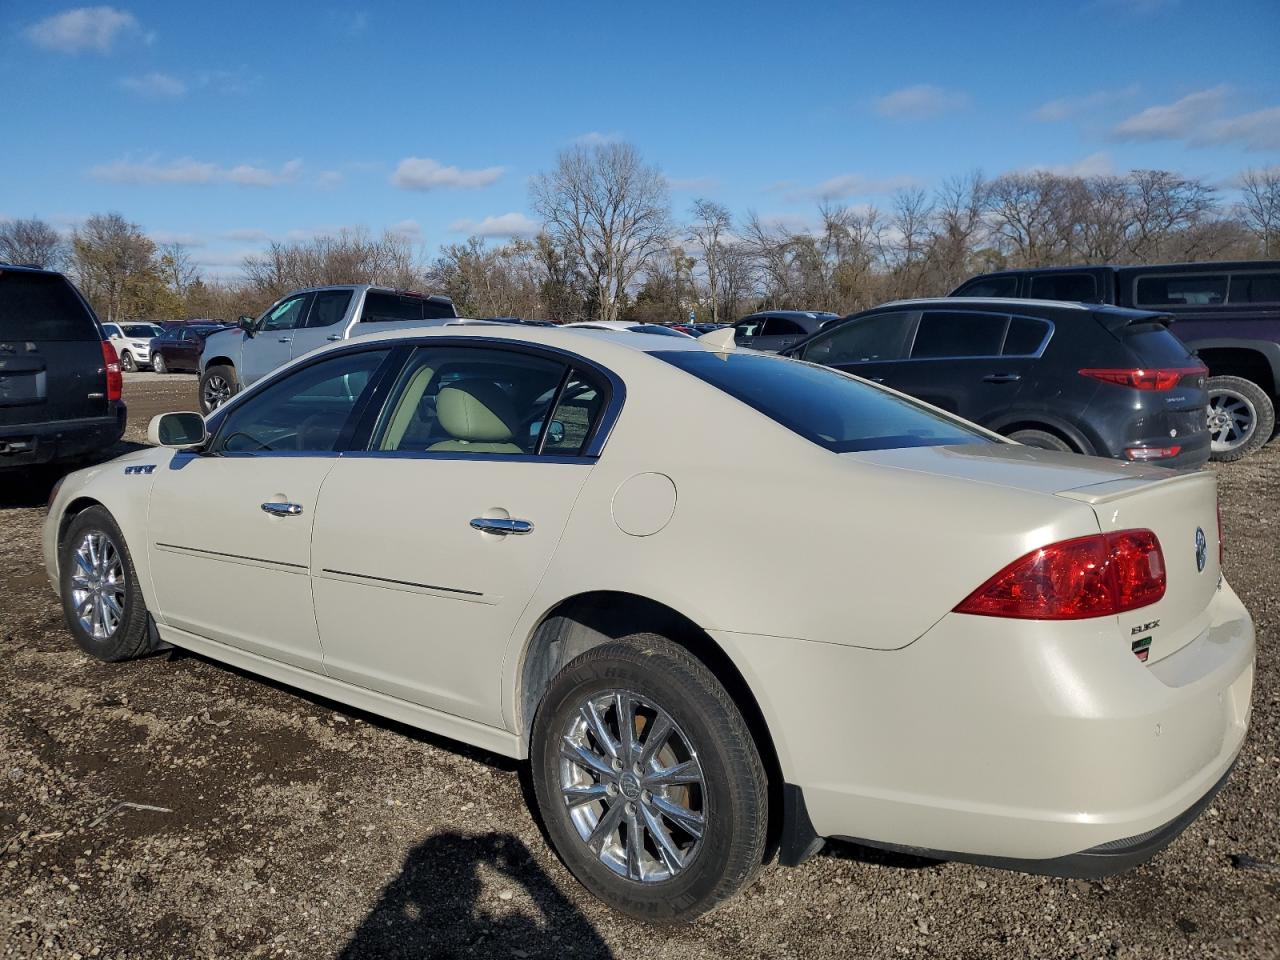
<point>115,379</point>
<point>1095,576</point>
<point>1143,454</point>
<point>1165,378</point>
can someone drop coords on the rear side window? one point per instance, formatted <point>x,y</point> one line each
<point>1172,290</point>
<point>945,333</point>
<point>1255,288</point>
<point>822,405</point>
<point>1025,336</point>
<point>42,306</point>
<point>989,287</point>
<point>782,327</point>
<point>382,307</point>
<point>1064,286</point>
<point>883,336</point>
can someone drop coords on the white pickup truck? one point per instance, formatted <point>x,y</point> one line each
<point>301,321</point>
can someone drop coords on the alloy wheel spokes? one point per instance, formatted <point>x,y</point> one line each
<point>633,786</point>
<point>98,589</point>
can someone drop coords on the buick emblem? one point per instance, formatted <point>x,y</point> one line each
<point>1202,550</point>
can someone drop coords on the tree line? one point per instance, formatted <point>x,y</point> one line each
<point>610,247</point>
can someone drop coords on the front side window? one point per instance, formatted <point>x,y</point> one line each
<point>883,336</point>
<point>822,405</point>
<point>1172,290</point>
<point>286,315</point>
<point>328,307</point>
<point>1082,287</point>
<point>470,400</point>
<point>1255,288</point>
<point>305,411</point>
<point>946,333</point>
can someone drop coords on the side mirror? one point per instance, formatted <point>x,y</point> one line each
<point>247,324</point>
<point>555,431</point>
<point>180,431</point>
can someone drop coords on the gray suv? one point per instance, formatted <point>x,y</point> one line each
<point>301,321</point>
<point>774,330</point>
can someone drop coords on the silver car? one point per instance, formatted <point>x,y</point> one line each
<point>299,322</point>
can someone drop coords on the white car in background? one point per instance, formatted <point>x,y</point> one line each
<point>959,646</point>
<point>132,341</point>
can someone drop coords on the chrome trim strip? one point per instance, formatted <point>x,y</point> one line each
<point>178,548</point>
<point>462,455</point>
<point>403,583</point>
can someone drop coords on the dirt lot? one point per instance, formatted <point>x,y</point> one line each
<point>294,827</point>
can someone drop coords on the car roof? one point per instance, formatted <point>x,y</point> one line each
<point>811,314</point>
<point>1207,266</point>
<point>381,288</point>
<point>566,336</point>
<point>997,303</point>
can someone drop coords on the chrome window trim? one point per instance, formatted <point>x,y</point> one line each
<point>1036,355</point>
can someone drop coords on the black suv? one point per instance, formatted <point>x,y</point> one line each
<point>1090,379</point>
<point>60,380</point>
<point>1227,312</point>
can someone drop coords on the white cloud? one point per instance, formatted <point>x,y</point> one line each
<point>839,187</point>
<point>157,85</point>
<point>1179,120</point>
<point>595,138</point>
<point>236,81</point>
<point>1259,130</point>
<point>190,171</point>
<point>328,179</point>
<point>506,225</point>
<point>1094,165</point>
<point>423,173</point>
<point>1066,108</point>
<point>84,28</point>
<point>920,102</point>
<point>1197,119</point>
<point>408,229</point>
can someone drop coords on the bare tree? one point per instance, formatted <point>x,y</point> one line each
<point>176,267</point>
<point>114,263</point>
<point>610,208</point>
<point>32,242</point>
<point>1162,205</point>
<point>1259,207</point>
<point>712,224</point>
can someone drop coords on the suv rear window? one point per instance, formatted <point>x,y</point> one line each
<point>393,307</point>
<point>42,306</point>
<point>820,404</point>
<point>1172,290</point>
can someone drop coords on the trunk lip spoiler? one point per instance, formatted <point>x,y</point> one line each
<point>1107,491</point>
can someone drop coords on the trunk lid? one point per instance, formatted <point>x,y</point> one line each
<point>1122,496</point>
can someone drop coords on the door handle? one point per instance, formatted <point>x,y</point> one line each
<point>282,509</point>
<point>336,336</point>
<point>503,526</point>
<point>286,339</point>
<point>1002,378</point>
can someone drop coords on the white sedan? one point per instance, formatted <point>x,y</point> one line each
<point>899,629</point>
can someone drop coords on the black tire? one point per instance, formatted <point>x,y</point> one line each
<point>731,793</point>
<point>218,381</point>
<point>1241,417</point>
<point>158,364</point>
<point>131,636</point>
<point>127,363</point>
<point>1042,439</point>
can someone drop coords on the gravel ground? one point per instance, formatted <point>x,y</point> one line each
<point>294,827</point>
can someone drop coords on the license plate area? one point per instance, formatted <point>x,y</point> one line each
<point>20,389</point>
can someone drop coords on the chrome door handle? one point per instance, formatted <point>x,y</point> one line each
<point>1002,378</point>
<point>282,509</point>
<point>286,339</point>
<point>336,336</point>
<point>501,525</point>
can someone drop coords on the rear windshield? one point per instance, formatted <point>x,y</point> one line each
<point>42,306</point>
<point>1155,346</point>
<point>820,404</point>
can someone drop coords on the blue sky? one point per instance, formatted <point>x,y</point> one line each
<point>226,124</point>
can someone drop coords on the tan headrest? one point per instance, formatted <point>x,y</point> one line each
<point>476,411</point>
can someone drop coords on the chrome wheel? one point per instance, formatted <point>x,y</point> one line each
<point>127,363</point>
<point>1232,420</point>
<point>215,391</point>
<point>633,785</point>
<point>98,585</point>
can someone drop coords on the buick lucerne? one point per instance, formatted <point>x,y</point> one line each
<point>962,646</point>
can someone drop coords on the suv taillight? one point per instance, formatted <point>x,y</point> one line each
<point>1165,378</point>
<point>1095,576</point>
<point>115,379</point>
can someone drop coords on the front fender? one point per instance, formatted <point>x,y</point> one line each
<point>227,343</point>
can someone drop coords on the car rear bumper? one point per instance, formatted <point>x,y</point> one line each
<point>24,445</point>
<point>1003,740</point>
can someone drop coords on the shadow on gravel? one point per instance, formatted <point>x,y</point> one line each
<point>433,908</point>
<point>847,850</point>
<point>30,486</point>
